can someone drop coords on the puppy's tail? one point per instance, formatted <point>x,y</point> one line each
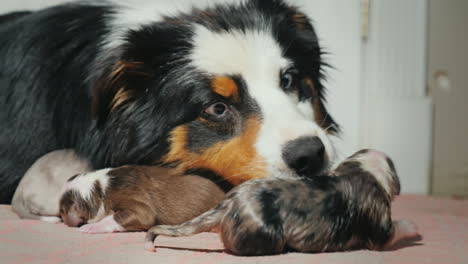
<point>202,223</point>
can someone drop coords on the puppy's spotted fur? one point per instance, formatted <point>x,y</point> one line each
<point>323,213</point>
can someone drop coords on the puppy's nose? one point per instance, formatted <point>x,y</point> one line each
<point>73,219</point>
<point>305,155</point>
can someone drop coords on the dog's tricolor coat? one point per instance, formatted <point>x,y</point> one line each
<point>344,209</point>
<point>229,88</point>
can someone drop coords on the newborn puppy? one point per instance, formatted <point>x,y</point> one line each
<point>133,198</point>
<point>39,192</point>
<point>317,214</point>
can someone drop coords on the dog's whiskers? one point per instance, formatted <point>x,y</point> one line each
<point>323,120</point>
<point>329,127</point>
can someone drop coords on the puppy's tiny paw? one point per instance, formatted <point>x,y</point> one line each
<point>90,229</point>
<point>106,225</point>
<point>51,219</point>
<point>406,229</point>
<point>149,246</point>
<point>95,228</point>
<point>403,230</point>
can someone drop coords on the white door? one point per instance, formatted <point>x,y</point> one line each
<point>448,68</point>
<point>396,112</point>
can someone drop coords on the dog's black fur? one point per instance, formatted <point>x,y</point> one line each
<point>44,99</point>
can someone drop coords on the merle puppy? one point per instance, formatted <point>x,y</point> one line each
<point>323,213</point>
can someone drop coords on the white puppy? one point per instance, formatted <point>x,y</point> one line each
<point>38,194</point>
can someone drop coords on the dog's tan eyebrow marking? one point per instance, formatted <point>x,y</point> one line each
<point>299,19</point>
<point>123,94</point>
<point>225,86</point>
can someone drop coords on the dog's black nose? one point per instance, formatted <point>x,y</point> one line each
<point>305,155</point>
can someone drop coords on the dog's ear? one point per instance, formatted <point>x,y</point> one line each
<point>137,67</point>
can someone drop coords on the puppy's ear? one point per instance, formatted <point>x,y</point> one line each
<point>141,63</point>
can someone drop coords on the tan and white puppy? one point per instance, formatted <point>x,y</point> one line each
<point>134,198</point>
<point>39,192</point>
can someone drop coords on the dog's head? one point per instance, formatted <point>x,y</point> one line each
<point>235,89</point>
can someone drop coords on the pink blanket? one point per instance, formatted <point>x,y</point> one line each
<point>442,222</point>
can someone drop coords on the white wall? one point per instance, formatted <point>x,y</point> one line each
<point>13,5</point>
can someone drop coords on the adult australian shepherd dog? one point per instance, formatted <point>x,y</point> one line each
<point>230,89</point>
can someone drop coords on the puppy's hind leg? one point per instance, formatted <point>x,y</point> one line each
<point>138,218</point>
<point>203,223</point>
<point>22,210</point>
<point>402,230</point>
<point>135,219</point>
<point>28,209</point>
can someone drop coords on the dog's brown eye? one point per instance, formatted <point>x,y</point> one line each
<point>217,110</point>
<point>288,78</point>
